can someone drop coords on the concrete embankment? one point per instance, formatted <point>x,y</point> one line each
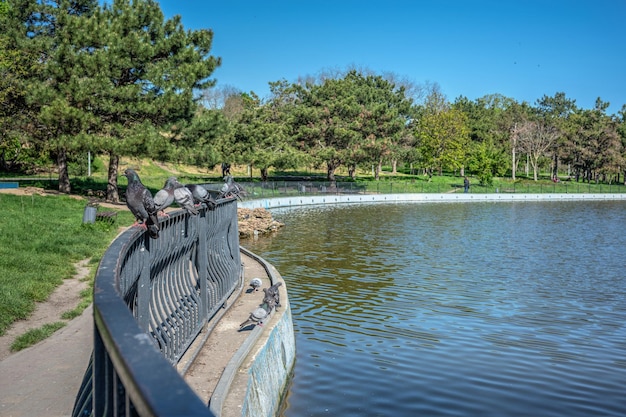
<point>306,200</point>
<point>253,380</point>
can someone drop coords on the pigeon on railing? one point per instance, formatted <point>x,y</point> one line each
<point>201,195</point>
<point>255,283</point>
<point>140,202</point>
<point>231,188</point>
<point>183,197</point>
<point>256,317</point>
<point>165,196</point>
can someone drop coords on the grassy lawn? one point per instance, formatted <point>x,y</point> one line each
<point>41,238</point>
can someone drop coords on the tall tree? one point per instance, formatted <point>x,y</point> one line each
<point>351,120</point>
<point>443,135</point>
<point>594,146</point>
<point>55,32</point>
<point>555,112</point>
<point>261,135</point>
<point>535,139</point>
<point>146,70</point>
<point>15,113</point>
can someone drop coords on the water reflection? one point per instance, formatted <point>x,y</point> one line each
<point>455,309</point>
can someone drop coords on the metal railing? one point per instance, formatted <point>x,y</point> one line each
<point>152,297</point>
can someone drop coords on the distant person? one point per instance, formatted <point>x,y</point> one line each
<point>225,169</point>
<point>466,185</point>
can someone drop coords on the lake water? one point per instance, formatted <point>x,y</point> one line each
<point>467,309</point>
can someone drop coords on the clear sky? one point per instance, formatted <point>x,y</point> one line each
<point>523,49</point>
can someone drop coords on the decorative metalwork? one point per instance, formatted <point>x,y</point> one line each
<point>152,297</point>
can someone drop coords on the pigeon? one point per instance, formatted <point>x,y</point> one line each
<point>272,296</point>
<point>231,188</point>
<point>256,317</point>
<point>165,196</point>
<point>183,197</point>
<point>140,202</point>
<point>201,195</point>
<point>255,283</point>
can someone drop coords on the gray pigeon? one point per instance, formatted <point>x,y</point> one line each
<point>165,196</point>
<point>201,195</point>
<point>140,202</point>
<point>256,317</point>
<point>231,188</point>
<point>183,197</point>
<point>272,295</point>
<point>255,283</point>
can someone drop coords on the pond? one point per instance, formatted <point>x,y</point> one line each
<point>490,309</point>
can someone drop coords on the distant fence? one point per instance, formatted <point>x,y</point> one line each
<point>151,299</point>
<point>287,188</point>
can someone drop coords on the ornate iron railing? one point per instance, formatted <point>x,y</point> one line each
<point>151,299</point>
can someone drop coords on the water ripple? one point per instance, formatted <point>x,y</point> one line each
<point>455,310</point>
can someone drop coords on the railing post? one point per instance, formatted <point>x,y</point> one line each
<point>203,263</point>
<point>143,287</point>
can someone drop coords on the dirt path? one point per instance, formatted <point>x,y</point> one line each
<point>65,297</point>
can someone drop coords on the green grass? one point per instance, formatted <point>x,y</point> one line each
<point>35,335</point>
<point>41,238</point>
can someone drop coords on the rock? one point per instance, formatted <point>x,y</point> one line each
<point>254,222</point>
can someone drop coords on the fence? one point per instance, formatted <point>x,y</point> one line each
<point>151,299</point>
<point>269,189</point>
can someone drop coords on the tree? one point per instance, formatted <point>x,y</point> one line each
<point>146,70</point>
<point>352,120</point>
<point>594,146</point>
<point>555,111</point>
<point>55,33</point>
<point>261,135</point>
<point>15,113</point>
<point>535,139</point>
<point>443,135</point>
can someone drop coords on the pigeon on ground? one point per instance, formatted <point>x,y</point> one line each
<point>201,195</point>
<point>256,317</point>
<point>140,202</point>
<point>231,188</point>
<point>183,197</point>
<point>272,295</point>
<point>165,196</point>
<point>255,283</point>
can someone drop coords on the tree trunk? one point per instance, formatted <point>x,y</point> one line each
<point>112,193</point>
<point>330,171</point>
<point>555,168</point>
<point>64,176</point>
<point>513,155</point>
<point>264,174</point>
<point>352,171</point>
<point>379,168</point>
<point>394,166</point>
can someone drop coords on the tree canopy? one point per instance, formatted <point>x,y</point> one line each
<point>118,79</point>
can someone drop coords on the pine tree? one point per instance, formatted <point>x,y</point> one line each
<point>146,69</point>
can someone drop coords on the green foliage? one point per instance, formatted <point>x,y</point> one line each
<point>444,138</point>
<point>35,336</point>
<point>353,120</point>
<point>40,240</point>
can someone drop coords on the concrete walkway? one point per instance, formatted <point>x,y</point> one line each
<point>43,380</point>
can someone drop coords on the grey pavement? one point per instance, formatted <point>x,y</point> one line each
<point>43,380</point>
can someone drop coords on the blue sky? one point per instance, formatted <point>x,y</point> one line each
<point>523,49</point>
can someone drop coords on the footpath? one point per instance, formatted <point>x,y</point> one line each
<point>43,380</point>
